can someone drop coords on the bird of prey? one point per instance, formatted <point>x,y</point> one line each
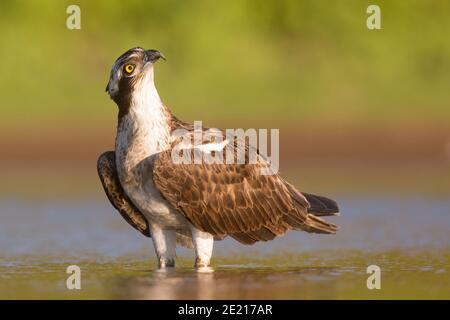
<point>191,204</point>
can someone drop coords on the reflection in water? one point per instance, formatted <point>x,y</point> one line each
<point>224,283</point>
<point>417,274</point>
<point>38,240</point>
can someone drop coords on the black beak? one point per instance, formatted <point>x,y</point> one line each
<point>153,56</point>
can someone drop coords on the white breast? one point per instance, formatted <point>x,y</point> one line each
<point>141,134</point>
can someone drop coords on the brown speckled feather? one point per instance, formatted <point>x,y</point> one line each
<point>106,167</point>
<point>235,199</point>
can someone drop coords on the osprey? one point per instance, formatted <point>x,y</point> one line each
<point>191,204</point>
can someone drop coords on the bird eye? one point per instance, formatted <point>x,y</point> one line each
<point>129,68</point>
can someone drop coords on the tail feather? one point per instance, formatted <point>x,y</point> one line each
<point>318,225</point>
<point>315,207</point>
<point>312,224</point>
<point>321,206</point>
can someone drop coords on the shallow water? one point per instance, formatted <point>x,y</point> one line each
<point>337,274</point>
<point>408,238</point>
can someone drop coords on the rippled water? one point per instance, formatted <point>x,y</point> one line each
<point>409,238</point>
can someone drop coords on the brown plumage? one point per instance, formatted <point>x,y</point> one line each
<point>193,202</point>
<point>238,201</point>
<point>221,199</point>
<point>106,168</point>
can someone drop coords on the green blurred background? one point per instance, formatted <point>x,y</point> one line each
<point>344,97</point>
<point>291,60</point>
<point>364,118</point>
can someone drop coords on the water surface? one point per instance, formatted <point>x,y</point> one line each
<point>407,237</point>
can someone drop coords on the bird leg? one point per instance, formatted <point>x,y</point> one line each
<point>164,241</point>
<point>203,245</point>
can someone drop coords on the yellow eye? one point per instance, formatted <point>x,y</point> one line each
<point>129,68</point>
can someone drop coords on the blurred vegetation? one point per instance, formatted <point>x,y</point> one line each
<point>288,60</point>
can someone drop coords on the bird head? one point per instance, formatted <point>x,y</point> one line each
<point>130,71</point>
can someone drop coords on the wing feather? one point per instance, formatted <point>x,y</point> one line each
<point>106,168</point>
<point>235,200</point>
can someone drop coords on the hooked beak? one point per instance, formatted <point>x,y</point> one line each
<point>153,56</point>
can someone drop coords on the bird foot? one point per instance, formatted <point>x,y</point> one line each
<point>166,263</point>
<point>201,263</point>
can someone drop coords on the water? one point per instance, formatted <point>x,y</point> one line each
<point>407,237</point>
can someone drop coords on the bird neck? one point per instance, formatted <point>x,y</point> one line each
<point>144,129</point>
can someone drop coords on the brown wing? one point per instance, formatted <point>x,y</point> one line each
<point>235,200</point>
<point>106,167</point>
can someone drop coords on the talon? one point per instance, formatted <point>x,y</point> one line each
<point>166,263</point>
<point>199,263</point>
